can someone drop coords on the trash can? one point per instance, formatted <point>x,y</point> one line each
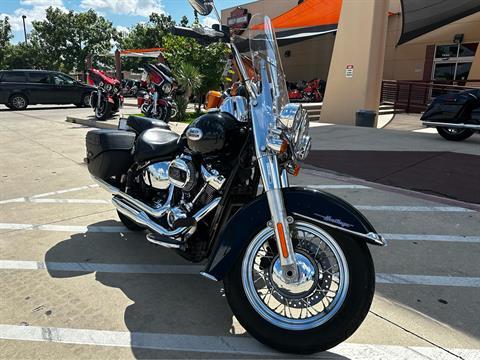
<point>365,118</point>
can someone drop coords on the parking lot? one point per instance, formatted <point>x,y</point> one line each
<point>75,283</point>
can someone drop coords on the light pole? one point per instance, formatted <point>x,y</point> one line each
<point>24,28</point>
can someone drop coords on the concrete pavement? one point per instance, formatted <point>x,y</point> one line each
<point>76,284</point>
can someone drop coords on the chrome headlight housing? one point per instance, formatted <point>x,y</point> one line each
<point>167,88</point>
<point>294,120</point>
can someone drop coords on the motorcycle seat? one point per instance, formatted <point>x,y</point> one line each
<point>155,143</point>
<point>139,123</point>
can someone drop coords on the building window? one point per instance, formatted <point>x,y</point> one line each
<point>453,61</point>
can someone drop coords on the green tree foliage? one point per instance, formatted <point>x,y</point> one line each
<point>208,60</point>
<point>65,39</point>
<point>190,79</point>
<point>145,36</point>
<point>5,37</point>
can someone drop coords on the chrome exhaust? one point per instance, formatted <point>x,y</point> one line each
<point>451,125</point>
<point>156,213</point>
<point>141,218</point>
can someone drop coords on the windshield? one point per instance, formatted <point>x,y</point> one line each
<point>264,68</point>
<point>267,63</point>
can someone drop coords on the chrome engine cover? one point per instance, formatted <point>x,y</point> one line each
<point>156,175</point>
<point>182,173</point>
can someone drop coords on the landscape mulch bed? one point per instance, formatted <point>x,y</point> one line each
<point>448,174</point>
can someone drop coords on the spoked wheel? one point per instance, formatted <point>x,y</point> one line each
<point>322,309</point>
<point>454,134</point>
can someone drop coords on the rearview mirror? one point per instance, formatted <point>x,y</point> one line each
<point>203,7</point>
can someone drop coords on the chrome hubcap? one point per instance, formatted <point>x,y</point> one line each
<point>322,286</point>
<point>306,282</point>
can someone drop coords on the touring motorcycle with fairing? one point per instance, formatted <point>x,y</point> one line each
<point>294,261</point>
<point>107,100</point>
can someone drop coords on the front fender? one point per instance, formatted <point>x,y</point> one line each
<point>317,206</point>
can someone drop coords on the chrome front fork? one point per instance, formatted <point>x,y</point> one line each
<point>273,182</point>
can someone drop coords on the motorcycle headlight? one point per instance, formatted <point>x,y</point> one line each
<point>100,84</point>
<point>109,87</point>
<point>294,119</point>
<point>166,88</point>
<point>115,90</point>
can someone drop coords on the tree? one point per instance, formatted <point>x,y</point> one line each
<point>209,60</point>
<point>65,39</point>
<point>145,36</point>
<point>190,79</point>
<point>5,37</point>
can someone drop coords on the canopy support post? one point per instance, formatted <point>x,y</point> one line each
<point>356,69</point>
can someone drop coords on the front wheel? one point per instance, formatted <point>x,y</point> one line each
<point>103,111</point>
<point>323,309</point>
<point>454,134</point>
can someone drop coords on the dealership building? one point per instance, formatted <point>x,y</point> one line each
<point>445,53</point>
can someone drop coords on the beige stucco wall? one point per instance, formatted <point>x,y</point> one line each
<point>406,62</point>
<point>311,58</point>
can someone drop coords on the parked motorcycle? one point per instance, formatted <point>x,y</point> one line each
<point>305,91</point>
<point>130,88</point>
<point>294,261</point>
<point>107,99</point>
<point>456,116</point>
<point>157,101</point>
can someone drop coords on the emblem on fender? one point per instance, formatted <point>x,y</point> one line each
<point>194,134</point>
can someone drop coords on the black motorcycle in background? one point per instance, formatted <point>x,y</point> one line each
<point>456,116</point>
<point>107,100</point>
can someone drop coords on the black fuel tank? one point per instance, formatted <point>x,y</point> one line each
<point>215,132</point>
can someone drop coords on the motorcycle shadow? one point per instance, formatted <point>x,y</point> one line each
<point>162,303</point>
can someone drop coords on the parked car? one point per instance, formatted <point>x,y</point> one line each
<point>20,88</point>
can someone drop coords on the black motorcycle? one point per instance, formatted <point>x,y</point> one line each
<point>294,262</point>
<point>456,116</point>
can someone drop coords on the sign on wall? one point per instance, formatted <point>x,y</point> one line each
<point>239,20</point>
<point>349,71</point>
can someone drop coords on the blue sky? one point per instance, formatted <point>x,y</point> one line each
<point>122,13</point>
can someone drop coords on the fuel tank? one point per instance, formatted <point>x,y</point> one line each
<point>214,133</point>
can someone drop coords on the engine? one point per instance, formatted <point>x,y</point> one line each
<point>195,186</point>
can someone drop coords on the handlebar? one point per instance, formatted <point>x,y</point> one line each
<point>205,36</point>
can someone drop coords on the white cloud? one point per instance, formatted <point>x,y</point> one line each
<point>208,21</point>
<point>34,10</point>
<point>125,7</point>
<point>122,29</point>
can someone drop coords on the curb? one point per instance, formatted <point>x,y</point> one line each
<point>91,123</point>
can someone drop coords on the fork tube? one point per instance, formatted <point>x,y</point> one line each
<point>272,183</point>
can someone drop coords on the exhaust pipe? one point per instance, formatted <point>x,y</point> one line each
<point>451,125</point>
<point>142,218</point>
<point>156,213</point>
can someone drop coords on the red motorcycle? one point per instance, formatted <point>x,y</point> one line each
<point>107,100</point>
<point>306,91</point>
<point>157,101</point>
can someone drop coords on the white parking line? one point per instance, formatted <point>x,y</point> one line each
<point>346,186</point>
<point>59,201</point>
<point>381,278</point>
<point>50,193</point>
<point>216,344</point>
<point>420,237</point>
<point>64,228</point>
<point>413,208</point>
<point>122,229</point>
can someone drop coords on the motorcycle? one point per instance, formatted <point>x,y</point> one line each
<point>130,88</point>
<point>157,102</point>
<point>305,91</point>
<point>455,116</point>
<point>107,99</point>
<point>294,261</point>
